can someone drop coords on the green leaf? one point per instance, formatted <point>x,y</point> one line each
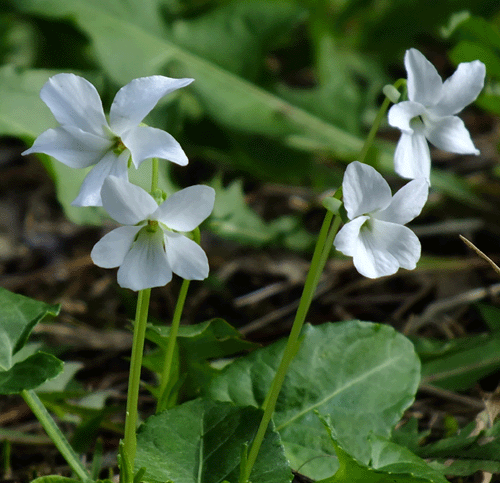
<point>244,30</point>
<point>202,440</point>
<point>64,479</point>
<point>363,375</point>
<point>18,316</point>
<point>388,462</point>
<point>55,479</point>
<point>491,315</point>
<point>465,467</point>
<point>460,364</point>
<point>198,344</point>
<point>233,219</point>
<point>30,373</point>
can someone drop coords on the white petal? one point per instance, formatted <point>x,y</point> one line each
<point>186,258</point>
<point>125,202</point>
<point>384,247</point>
<point>412,158</point>
<point>407,203</point>
<point>186,209</point>
<point>110,164</point>
<point>461,88</point>
<point>146,142</point>
<point>145,265</point>
<point>134,101</point>
<point>347,238</point>
<point>424,82</point>
<point>450,134</point>
<point>71,146</point>
<point>111,249</point>
<point>74,101</point>
<point>401,115</point>
<point>364,190</point>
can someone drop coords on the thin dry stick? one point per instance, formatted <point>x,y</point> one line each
<point>481,254</point>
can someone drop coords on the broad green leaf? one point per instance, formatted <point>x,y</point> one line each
<point>18,316</point>
<point>387,463</point>
<point>363,375</point>
<point>202,441</point>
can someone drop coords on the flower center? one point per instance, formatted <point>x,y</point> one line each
<point>118,146</point>
<point>417,123</point>
<point>152,226</point>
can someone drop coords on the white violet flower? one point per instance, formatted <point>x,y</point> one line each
<point>149,248</point>
<point>429,114</point>
<point>375,237</point>
<point>85,138</point>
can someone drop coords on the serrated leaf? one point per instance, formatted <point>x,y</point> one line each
<point>202,440</point>
<point>363,375</point>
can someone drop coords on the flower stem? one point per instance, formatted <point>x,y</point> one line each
<point>154,175</point>
<point>169,352</point>
<point>376,123</point>
<point>51,428</point>
<point>321,251</point>
<point>172,338</point>
<point>141,318</point>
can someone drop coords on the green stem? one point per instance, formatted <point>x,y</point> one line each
<point>377,122</point>
<point>154,175</point>
<point>169,353</point>
<point>55,434</point>
<point>327,233</point>
<point>140,323</point>
<point>172,338</point>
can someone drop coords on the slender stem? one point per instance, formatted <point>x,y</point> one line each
<point>318,261</point>
<point>141,318</point>
<point>172,338</point>
<point>55,434</point>
<point>169,353</point>
<point>154,175</point>
<point>376,123</point>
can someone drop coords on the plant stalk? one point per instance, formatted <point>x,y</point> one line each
<point>321,251</point>
<point>55,434</point>
<point>172,338</point>
<point>140,323</point>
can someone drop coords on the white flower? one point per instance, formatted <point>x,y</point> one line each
<point>375,237</point>
<point>85,138</point>
<point>430,113</point>
<point>149,248</point>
